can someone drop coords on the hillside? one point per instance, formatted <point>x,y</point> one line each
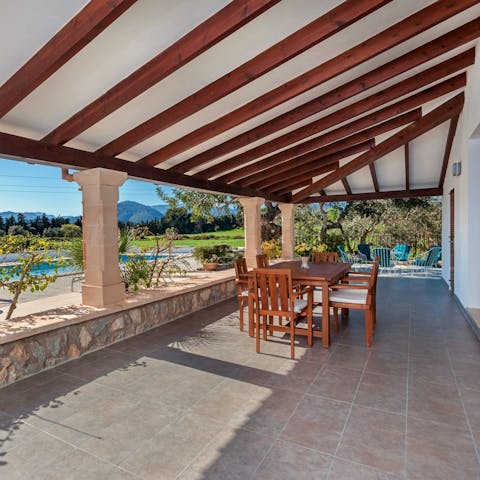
<point>134,212</point>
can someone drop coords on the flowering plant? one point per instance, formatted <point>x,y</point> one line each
<point>303,249</point>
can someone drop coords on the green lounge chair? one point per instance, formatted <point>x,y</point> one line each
<point>383,255</point>
<point>429,259</point>
<point>401,252</point>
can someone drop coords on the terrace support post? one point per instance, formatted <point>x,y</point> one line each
<point>251,221</point>
<point>288,229</point>
<point>102,285</point>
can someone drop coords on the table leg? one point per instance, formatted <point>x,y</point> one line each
<point>325,316</point>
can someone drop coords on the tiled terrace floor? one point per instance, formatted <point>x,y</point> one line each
<point>192,400</point>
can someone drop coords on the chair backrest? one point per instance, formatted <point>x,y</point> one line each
<point>365,249</point>
<point>433,256</point>
<point>262,261</point>
<point>401,252</point>
<point>383,255</point>
<point>372,281</point>
<point>273,291</point>
<point>324,257</point>
<point>343,254</point>
<point>241,270</point>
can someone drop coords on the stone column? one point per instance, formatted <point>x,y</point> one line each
<point>102,285</point>
<point>251,221</point>
<point>288,230</point>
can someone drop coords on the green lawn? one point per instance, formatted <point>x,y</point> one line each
<point>196,240</point>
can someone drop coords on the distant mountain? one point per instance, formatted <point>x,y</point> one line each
<point>29,216</point>
<point>161,208</point>
<point>128,212</point>
<point>134,212</point>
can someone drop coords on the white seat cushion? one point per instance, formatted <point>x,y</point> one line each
<point>349,296</point>
<point>299,305</point>
<point>245,293</point>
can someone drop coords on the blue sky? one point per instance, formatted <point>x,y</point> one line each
<point>39,188</point>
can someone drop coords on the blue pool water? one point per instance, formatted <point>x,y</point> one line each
<point>48,268</point>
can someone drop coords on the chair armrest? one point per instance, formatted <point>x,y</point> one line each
<point>302,291</point>
<point>343,286</point>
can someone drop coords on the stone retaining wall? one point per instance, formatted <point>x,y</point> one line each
<point>32,354</point>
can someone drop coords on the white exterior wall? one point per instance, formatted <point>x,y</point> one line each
<point>466,148</point>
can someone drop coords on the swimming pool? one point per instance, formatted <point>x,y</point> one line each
<point>48,268</point>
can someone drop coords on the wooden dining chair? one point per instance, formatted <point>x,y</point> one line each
<point>359,294</point>
<point>262,261</point>
<point>243,290</point>
<point>324,257</point>
<point>276,300</point>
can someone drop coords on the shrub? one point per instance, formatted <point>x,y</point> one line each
<point>215,253</point>
<point>272,248</point>
<point>71,230</point>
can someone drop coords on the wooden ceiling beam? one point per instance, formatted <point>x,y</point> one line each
<point>373,173</point>
<point>315,32</point>
<point>407,166</point>
<point>223,23</point>
<point>356,131</point>
<point>362,106</point>
<point>448,148</point>
<point>95,17</point>
<point>20,147</point>
<point>300,166</point>
<point>314,171</point>
<point>437,116</point>
<point>351,141</point>
<point>290,188</point>
<point>421,192</point>
<point>346,186</point>
<point>392,36</point>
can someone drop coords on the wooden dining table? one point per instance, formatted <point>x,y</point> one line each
<point>318,275</point>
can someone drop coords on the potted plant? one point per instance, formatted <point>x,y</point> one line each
<point>211,263</point>
<point>304,250</point>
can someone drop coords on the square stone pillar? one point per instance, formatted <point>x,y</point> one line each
<point>251,222</point>
<point>288,230</point>
<point>102,285</point>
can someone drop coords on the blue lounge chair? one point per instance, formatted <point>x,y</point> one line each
<point>430,258</point>
<point>401,252</point>
<point>364,249</point>
<point>343,255</point>
<point>383,255</point>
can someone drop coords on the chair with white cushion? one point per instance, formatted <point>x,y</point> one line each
<point>276,300</point>
<point>359,294</point>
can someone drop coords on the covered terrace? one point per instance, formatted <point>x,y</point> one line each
<point>291,101</point>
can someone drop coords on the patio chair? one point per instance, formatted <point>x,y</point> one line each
<point>383,255</point>
<point>429,259</point>
<point>325,257</point>
<point>360,295</point>
<point>364,249</point>
<point>401,252</point>
<point>262,261</point>
<point>275,300</point>
<point>243,291</point>
<point>343,255</point>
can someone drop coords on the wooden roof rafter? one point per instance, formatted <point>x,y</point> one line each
<point>313,164</point>
<point>437,116</point>
<point>419,192</point>
<point>95,17</point>
<point>315,32</point>
<point>448,148</point>
<point>223,23</point>
<point>341,149</point>
<point>388,38</point>
<point>435,73</point>
<point>15,146</point>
